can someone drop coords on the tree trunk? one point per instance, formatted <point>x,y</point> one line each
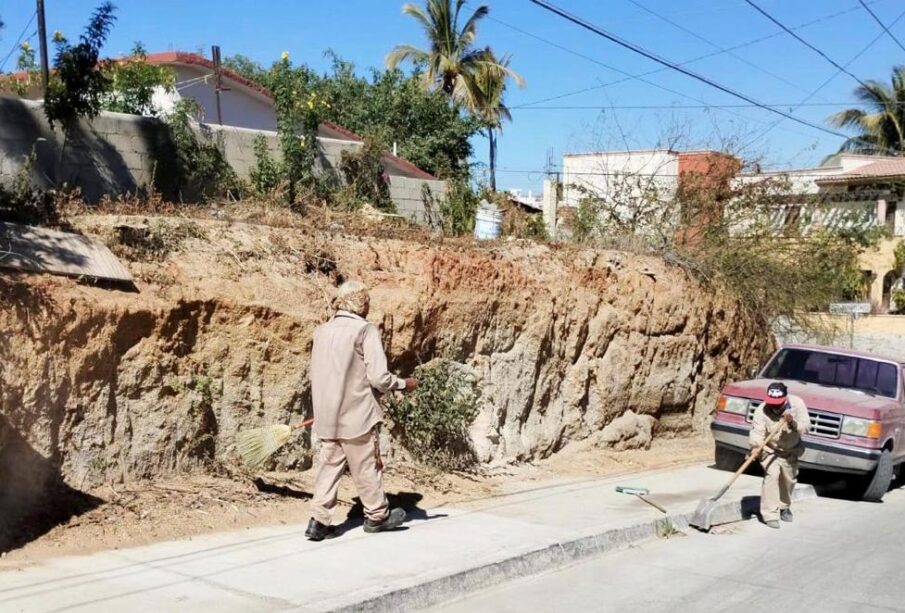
<point>492,138</point>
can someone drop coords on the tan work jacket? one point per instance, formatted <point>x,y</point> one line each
<point>788,442</point>
<point>347,365</point>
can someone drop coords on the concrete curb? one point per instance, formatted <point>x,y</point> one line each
<point>554,556</point>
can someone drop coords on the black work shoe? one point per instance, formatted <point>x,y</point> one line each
<point>773,523</point>
<point>392,521</point>
<point>317,531</point>
<point>786,515</point>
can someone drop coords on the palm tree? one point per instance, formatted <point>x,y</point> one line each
<point>881,122</point>
<point>468,76</point>
<point>492,83</point>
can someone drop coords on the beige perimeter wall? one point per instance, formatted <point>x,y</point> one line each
<point>117,154</point>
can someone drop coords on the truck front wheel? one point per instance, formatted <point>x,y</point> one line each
<point>727,459</point>
<point>879,483</point>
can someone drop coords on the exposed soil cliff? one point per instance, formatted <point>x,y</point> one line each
<point>114,385</point>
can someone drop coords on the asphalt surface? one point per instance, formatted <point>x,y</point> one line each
<point>837,555</point>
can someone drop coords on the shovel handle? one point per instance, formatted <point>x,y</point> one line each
<point>755,453</point>
<point>651,503</point>
<point>303,424</point>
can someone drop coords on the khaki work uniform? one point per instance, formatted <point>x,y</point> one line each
<point>348,364</point>
<point>780,458</point>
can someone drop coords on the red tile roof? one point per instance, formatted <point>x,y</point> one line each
<point>875,170</point>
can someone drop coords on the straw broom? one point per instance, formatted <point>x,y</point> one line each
<point>256,446</point>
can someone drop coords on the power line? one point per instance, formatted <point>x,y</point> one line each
<point>827,82</point>
<point>653,107</point>
<point>560,170</point>
<point>654,57</point>
<point>882,25</point>
<point>804,42</point>
<point>628,77</point>
<point>18,41</point>
<point>754,41</point>
<point>716,46</point>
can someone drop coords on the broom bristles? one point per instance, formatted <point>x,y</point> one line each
<point>256,446</point>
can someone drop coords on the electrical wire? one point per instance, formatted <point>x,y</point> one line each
<point>18,40</point>
<point>882,25</point>
<point>827,82</point>
<point>804,42</point>
<point>754,41</point>
<point>654,57</point>
<point>628,77</point>
<point>707,41</point>
<point>651,107</point>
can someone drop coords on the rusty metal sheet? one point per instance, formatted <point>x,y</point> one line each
<point>36,249</point>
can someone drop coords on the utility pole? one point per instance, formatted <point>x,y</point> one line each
<point>42,38</point>
<point>218,80</point>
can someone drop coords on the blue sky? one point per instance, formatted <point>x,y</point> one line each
<point>364,30</point>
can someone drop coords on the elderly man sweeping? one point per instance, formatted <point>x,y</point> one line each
<point>348,370</point>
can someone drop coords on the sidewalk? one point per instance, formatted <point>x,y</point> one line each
<point>441,553</point>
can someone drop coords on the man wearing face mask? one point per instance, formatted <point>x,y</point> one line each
<point>779,458</point>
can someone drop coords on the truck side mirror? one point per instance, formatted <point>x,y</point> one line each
<point>752,371</point>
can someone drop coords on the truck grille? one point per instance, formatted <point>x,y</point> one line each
<point>824,424</point>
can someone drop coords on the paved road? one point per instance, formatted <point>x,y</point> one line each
<point>837,556</point>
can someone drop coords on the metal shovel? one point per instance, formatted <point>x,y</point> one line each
<point>703,515</point>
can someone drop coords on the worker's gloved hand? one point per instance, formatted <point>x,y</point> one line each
<point>410,384</point>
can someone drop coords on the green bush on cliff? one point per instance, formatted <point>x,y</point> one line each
<point>432,422</point>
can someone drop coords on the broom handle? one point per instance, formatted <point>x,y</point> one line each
<point>304,424</point>
<point>755,453</point>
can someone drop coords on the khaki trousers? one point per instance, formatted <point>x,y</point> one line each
<point>362,454</point>
<point>780,476</point>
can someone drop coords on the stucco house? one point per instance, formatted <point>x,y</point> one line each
<point>848,188</point>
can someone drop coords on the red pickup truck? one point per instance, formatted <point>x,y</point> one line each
<point>857,405</point>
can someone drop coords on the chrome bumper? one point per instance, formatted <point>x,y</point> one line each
<point>826,456</point>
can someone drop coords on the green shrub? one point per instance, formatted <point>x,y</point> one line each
<point>898,299</point>
<point>201,169</point>
<point>265,176</point>
<point>21,202</point>
<point>432,422</point>
<point>366,181</point>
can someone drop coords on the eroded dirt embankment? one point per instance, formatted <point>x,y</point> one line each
<point>106,385</point>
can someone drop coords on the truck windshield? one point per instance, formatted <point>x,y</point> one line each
<point>836,370</point>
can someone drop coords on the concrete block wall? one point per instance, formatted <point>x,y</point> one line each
<point>117,154</point>
<point>407,193</point>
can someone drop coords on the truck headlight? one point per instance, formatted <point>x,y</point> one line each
<point>854,426</point>
<point>731,404</point>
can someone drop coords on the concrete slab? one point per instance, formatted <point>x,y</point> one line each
<point>449,550</point>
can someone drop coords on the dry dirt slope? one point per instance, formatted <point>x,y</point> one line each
<point>106,385</point>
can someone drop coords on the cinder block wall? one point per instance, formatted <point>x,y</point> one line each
<point>407,193</point>
<point>117,154</point>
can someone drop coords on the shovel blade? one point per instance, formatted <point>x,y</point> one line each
<point>702,518</point>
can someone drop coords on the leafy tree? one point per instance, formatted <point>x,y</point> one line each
<point>492,83</point>
<point>386,107</point>
<point>467,75</point>
<point>452,62</point>
<point>133,82</point>
<point>881,121</point>
<point>80,84</point>
<point>299,111</point>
